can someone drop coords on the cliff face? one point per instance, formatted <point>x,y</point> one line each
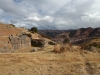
<point>12,38</point>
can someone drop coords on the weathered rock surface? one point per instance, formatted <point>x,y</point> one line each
<point>13,38</point>
<point>21,41</point>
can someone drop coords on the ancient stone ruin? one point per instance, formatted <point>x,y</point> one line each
<point>21,41</point>
<point>12,38</point>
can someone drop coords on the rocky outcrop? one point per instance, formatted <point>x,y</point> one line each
<point>13,38</point>
<point>18,42</point>
<point>36,40</point>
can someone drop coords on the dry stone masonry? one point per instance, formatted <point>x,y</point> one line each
<point>12,38</point>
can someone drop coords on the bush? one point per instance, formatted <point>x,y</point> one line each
<point>34,30</point>
<point>61,48</point>
<point>12,25</point>
<point>57,48</point>
<point>66,41</point>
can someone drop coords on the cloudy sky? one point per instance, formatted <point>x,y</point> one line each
<point>51,14</point>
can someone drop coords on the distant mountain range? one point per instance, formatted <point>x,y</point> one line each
<point>73,35</point>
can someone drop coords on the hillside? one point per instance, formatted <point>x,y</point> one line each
<point>25,53</point>
<point>49,63</point>
<point>73,35</point>
<point>13,38</point>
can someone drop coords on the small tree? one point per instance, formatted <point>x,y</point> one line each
<point>34,29</point>
<point>12,25</point>
<point>66,40</point>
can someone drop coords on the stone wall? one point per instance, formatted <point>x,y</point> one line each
<point>12,43</point>
<point>12,38</point>
<point>21,41</point>
<point>5,45</point>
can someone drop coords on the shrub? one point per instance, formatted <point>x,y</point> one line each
<point>66,41</point>
<point>57,48</point>
<point>12,25</point>
<point>34,30</point>
<point>61,48</point>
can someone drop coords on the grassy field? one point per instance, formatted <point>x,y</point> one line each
<point>48,63</point>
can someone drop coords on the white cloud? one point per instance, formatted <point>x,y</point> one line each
<point>33,18</point>
<point>54,14</point>
<point>95,17</point>
<point>1,12</point>
<point>36,17</point>
<point>47,18</point>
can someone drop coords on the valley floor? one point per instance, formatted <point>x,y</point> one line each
<point>48,63</point>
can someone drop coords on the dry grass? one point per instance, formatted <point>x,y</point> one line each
<point>91,43</point>
<point>65,48</point>
<point>57,48</point>
<point>47,62</point>
<point>61,48</point>
<point>24,50</point>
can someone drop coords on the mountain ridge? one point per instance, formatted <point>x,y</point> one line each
<point>82,33</point>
